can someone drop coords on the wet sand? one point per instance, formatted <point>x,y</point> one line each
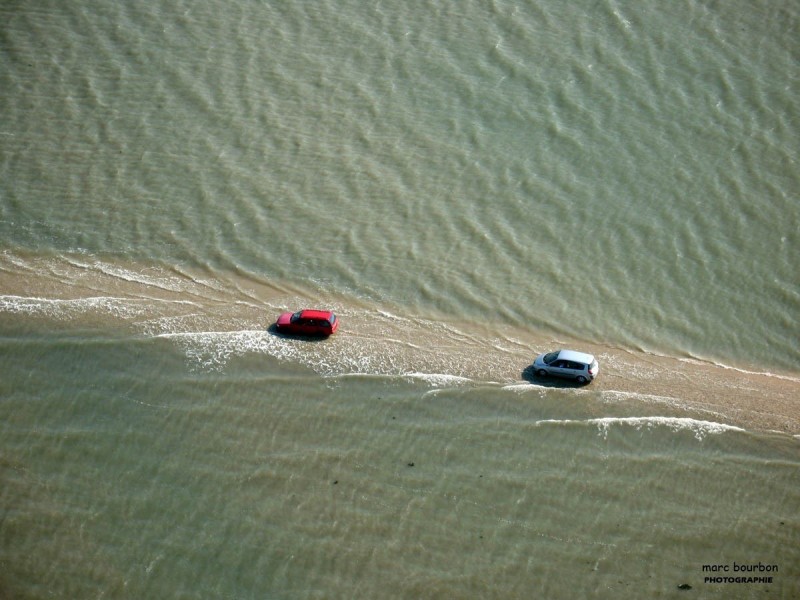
<point>738,396</point>
<point>233,313</point>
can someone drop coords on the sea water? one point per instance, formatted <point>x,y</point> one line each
<point>466,185</point>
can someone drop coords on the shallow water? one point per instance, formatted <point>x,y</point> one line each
<point>466,186</point>
<point>268,479</point>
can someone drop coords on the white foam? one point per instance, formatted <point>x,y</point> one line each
<point>439,379</point>
<point>700,428</point>
<point>609,396</point>
<point>392,317</point>
<point>744,371</point>
<point>154,278</point>
<point>65,308</point>
<point>522,387</point>
<point>213,349</point>
<point>616,396</point>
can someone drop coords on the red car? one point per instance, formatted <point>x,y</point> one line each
<point>308,322</point>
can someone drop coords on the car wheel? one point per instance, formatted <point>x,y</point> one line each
<point>541,373</point>
<point>581,379</point>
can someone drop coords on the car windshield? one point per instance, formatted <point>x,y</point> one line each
<point>296,316</point>
<point>548,358</point>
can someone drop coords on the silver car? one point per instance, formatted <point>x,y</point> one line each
<point>567,363</point>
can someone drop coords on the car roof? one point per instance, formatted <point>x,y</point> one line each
<point>309,313</point>
<point>575,356</point>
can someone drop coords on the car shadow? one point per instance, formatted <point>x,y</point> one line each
<point>529,375</point>
<point>273,330</point>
